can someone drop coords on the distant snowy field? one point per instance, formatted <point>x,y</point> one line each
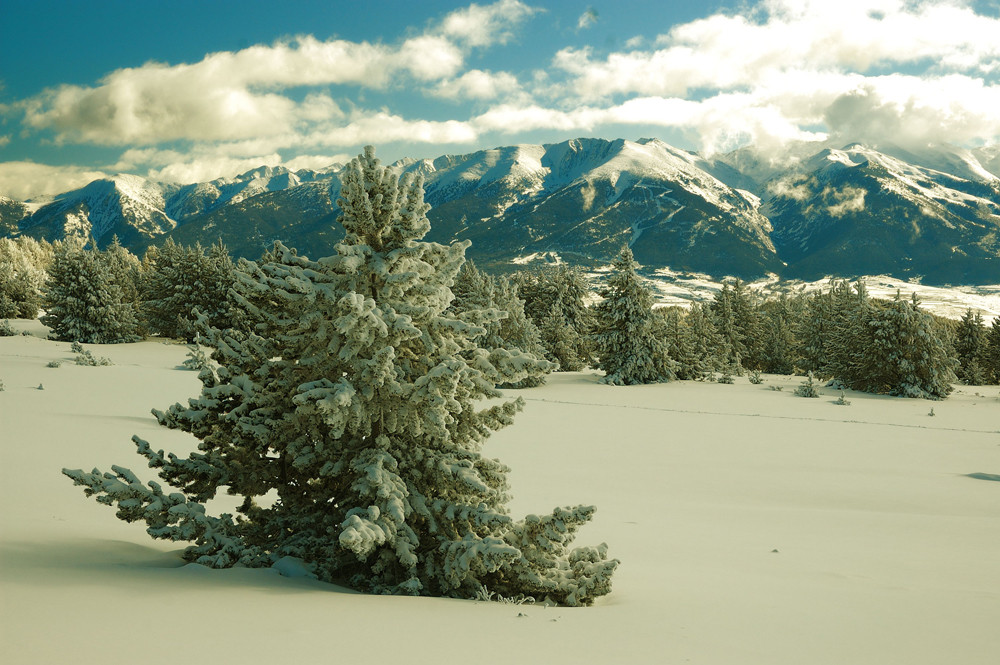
<point>753,526</point>
<point>672,288</point>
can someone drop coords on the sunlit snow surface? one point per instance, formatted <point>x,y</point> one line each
<point>753,527</point>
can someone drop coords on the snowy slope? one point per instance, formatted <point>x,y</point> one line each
<point>588,198</point>
<point>754,527</point>
<point>124,205</point>
<point>859,211</point>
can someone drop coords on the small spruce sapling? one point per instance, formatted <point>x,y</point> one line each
<point>807,388</point>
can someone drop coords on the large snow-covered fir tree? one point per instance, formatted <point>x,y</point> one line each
<point>355,400</point>
<point>629,346</point>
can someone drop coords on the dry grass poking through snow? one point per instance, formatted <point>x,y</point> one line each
<point>753,526</point>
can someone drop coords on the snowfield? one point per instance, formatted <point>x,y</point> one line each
<point>753,526</point>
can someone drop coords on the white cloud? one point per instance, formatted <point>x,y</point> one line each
<point>237,95</point>
<point>845,200</point>
<point>25,180</point>
<point>479,25</point>
<point>587,19</point>
<point>385,127</point>
<point>802,69</point>
<point>478,84</point>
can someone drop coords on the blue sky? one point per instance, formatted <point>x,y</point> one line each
<point>189,91</point>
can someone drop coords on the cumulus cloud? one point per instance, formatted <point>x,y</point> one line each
<point>478,25</point>
<point>24,180</point>
<point>230,96</point>
<point>478,84</point>
<point>801,69</point>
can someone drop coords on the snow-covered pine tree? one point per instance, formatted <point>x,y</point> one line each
<point>898,351</point>
<point>971,349</point>
<point>560,341</point>
<point>625,337</point>
<point>779,343</point>
<point>351,400</point>
<point>670,326</point>
<point>179,280</point>
<point>746,312</point>
<point>850,309</point>
<point>724,318</point>
<point>513,340</point>
<point>23,264</point>
<point>814,333</point>
<point>84,300</point>
<point>559,292</point>
<point>992,355</point>
<point>709,347</point>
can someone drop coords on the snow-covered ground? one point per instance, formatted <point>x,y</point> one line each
<point>753,526</point>
<point>672,288</point>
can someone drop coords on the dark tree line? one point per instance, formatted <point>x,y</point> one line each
<point>840,333</point>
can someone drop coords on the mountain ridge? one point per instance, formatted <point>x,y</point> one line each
<point>850,210</point>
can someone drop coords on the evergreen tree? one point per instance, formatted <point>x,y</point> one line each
<point>513,340</point>
<point>85,300</point>
<point>709,347</point>
<point>850,310</point>
<point>23,264</point>
<point>180,280</point>
<point>628,348</point>
<point>779,343</point>
<point>971,349</point>
<point>991,358</point>
<point>897,350</point>
<point>565,290</point>
<point>352,400</point>
<point>691,362</point>
<point>814,329</point>
<point>733,348</point>
<point>560,341</point>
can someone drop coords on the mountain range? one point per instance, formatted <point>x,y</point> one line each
<point>932,215</point>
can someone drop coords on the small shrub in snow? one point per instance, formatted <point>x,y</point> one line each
<point>488,596</point>
<point>807,388</point>
<point>1,386</point>
<point>40,387</point>
<point>54,363</point>
<point>726,377</point>
<point>6,330</point>
<point>842,400</point>
<point>88,359</point>
<point>931,413</point>
<point>777,388</point>
<point>197,358</point>
<point>756,378</point>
